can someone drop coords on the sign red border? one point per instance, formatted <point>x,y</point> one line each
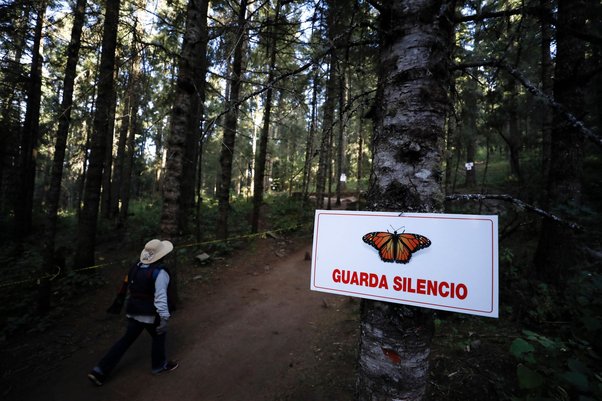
<point>364,295</point>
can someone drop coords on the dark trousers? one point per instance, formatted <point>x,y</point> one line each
<point>134,328</point>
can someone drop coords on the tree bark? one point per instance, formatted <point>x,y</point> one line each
<point>53,194</point>
<point>124,127</point>
<point>325,150</point>
<point>9,119</point>
<point>469,129</point>
<point>341,138</point>
<point>106,184</point>
<point>309,146</point>
<point>125,187</point>
<point>30,133</point>
<point>513,136</point>
<point>327,127</point>
<point>230,125</point>
<point>185,105</point>
<point>409,128</point>
<point>54,190</point>
<point>86,230</point>
<point>260,161</point>
<point>194,133</point>
<point>546,87</point>
<point>558,248</point>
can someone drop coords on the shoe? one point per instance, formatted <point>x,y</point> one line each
<point>169,366</point>
<point>96,377</point>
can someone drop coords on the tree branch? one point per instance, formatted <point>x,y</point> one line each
<point>518,203</point>
<point>379,7</point>
<point>497,14</point>
<point>534,90</point>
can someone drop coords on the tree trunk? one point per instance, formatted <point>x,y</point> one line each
<point>546,87</point>
<point>130,143</point>
<point>514,134</point>
<point>346,17</point>
<point>86,230</point>
<point>327,126</point>
<point>309,147</point>
<point>53,194</point>
<point>341,140</point>
<point>117,179</point>
<point>31,133</point>
<point>9,123</point>
<point>469,125</point>
<point>260,161</point>
<point>230,126</point>
<point>558,248</point>
<point>106,185</point>
<point>54,190</point>
<point>185,106</point>
<point>409,128</point>
<point>360,156</point>
<point>194,132</point>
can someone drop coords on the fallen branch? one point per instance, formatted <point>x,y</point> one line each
<point>517,202</point>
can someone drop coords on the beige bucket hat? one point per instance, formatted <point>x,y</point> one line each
<point>154,250</point>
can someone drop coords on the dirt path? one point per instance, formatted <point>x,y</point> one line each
<point>253,332</point>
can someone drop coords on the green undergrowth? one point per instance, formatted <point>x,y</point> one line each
<point>117,244</point>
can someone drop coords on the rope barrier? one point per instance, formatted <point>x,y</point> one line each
<point>38,280</point>
<point>179,247</point>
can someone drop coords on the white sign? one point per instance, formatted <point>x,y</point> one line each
<point>469,166</point>
<point>439,261</point>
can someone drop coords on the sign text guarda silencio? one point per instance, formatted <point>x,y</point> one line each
<point>439,261</point>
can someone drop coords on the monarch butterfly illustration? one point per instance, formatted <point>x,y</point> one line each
<point>394,247</point>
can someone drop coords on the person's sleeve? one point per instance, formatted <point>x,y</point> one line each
<point>161,284</point>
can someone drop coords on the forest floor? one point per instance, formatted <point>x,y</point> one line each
<point>248,328</point>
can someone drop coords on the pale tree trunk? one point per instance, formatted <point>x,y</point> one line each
<point>341,137</point>
<point>324,160</point>
<point>409,128</point>
<point>327,126</point>
<point>86,230</point>
<point>309,146</point>
<point>127,168</point>
<point>260,160</point>
<point>360,156</point>
<point>558,250</point>
<point>346,16</point>
<point>127,138</point>
<point>185,105</point>
<point>230,125</point>
<point>117,179</point>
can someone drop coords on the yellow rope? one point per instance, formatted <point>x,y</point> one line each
<point>103,265</point>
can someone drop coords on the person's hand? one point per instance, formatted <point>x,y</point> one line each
<point>117,304</point>
<point>162,327</point>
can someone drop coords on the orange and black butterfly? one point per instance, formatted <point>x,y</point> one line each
<point>393,247</point>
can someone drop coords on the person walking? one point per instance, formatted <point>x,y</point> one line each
<point>146,287</point>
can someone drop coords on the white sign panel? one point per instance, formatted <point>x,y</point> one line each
<point>439,261</point>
